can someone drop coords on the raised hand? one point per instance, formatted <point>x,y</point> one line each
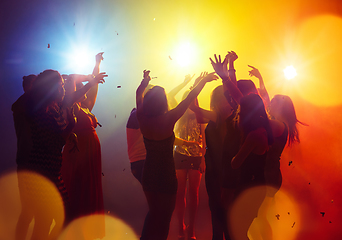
<point>99,57</point>
<point>231,56</point>
<point>99,78</point>
<point>254,72</point>
<point>199,78</point>
<point>188,78</point>
<point>146,75</point>
<point>219,66</point>
<point>210,77</point>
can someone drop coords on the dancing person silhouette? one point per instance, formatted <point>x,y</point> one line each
<point>159,176</point>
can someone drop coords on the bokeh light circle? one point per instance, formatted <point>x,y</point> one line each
<point>319,44</point>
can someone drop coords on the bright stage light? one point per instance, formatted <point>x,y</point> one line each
<point>81,61</point>
<point>185,54</point>
<point>290,72</point>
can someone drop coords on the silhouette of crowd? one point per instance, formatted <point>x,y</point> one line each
<point>236,145</point>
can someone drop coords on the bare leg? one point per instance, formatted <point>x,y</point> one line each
<point>194,183</point>
<point>181,200</point>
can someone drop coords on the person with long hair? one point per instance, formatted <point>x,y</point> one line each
<point>159,176</point>
<point>217,117</point>
<point>284,124</point>
<point>189,162</point>
<point>82,167</point>
<point>250,160</point>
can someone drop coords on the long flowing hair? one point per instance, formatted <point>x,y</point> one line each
<point>252,115</point>
<point>288,113</point>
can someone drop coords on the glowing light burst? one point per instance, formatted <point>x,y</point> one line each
<point>81,60</point>
<point>290,72</point>
<point>185,54</point>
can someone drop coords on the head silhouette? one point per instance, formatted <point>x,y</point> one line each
<point>28,81</point>
<point>47,88</point>
<point>246,87</point>
<point>282,108</point>
<point>155,102</point>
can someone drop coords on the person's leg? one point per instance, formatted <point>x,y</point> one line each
<point>214,197</point>
<point>161,207</point>
<point>26,214</point>
<point>181,200</point>
<point>194,183</point>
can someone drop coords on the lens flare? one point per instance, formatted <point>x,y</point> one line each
<point>290,72</point>
<point>87,228</point>
<point>28,197</point>
<point>280,214</point>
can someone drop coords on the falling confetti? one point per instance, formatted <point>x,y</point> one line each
<point>48,45</point>
<point>293,224</point>
<point>288,213</point>
<point>309,183</point>
<point>170,57</point>
<point>154,77</point>
<point>332,201</point>
<point>290,163</point>
<point>322,213</point>
<point>277,216</point>
<point>154,19</point>
<point>108,212</point>
<point>102,174</point>
<point>124,169</point>
<point>99,124</point>
<point>329,221</point>
<point>74,24</point>
<point>115,116</point>
<point>118,87</point>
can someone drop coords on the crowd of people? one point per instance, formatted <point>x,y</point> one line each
<point>237,144</point>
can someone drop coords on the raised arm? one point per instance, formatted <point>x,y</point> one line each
<point>177,112</point>
<point>262,89</point>
<point>76,95</point>
<point>231,58</point>
<point>92,93</point>
<point>220,68</point>
<point>171,95</point>
<point>141,89</point>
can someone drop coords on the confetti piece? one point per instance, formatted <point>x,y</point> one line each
<point>124,169</point>
<point>322,213</point>
<point>309,183</point>
<point>48,45</point>
<point>332,201</point>
<point>102,174</point>
<point>108,212</point>
<point>329,221</point>
<point>115,116</point>
<point>277,216</point>
<point>154,19</point>
<point>170,57</point>
<point>154,77</point>
<point>293,224</point>
<point>99,124</point>
<point>288,213</point>
<point>74,24</point>
<point>290,163</point>
<point>118,87</point>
